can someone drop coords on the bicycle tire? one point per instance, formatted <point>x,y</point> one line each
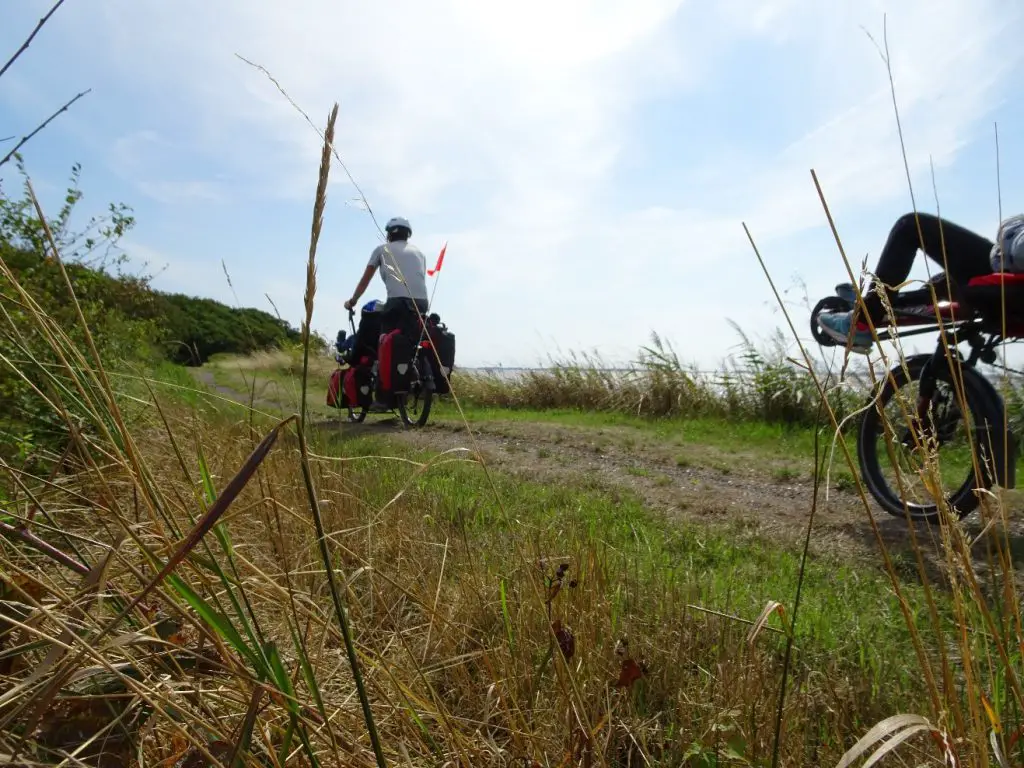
<point>426,398</point>
<point>963,501</point>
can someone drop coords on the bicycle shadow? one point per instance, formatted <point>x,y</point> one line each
<point>343,429</point>
<point>911,545</point>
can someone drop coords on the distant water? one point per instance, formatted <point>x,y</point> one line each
<point>501,372</point>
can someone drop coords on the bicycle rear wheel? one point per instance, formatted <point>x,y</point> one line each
<point>422,403</point>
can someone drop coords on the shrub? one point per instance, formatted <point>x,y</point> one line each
<point>127,320</point>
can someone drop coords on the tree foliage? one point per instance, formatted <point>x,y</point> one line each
<point>195,329</point>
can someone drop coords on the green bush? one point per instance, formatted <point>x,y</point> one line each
<point>38,316</point>
<point>128,321</point>
<point>195,329</point>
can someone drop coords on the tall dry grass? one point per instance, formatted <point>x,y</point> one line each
<point>971,666</point>
<point>458,658</point>
<point>760,382</point>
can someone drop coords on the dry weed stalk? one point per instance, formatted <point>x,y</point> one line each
<point>28,41</point>
<point>319,204</point>
<point>14,57</point>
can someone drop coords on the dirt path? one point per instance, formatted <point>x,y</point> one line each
<point>739,491</point>
<point>747,494</point>
<point>205,377</point>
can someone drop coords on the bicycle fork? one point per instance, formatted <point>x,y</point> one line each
<point>927,386</point>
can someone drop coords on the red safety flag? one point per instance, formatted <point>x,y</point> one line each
<point>440,260</point>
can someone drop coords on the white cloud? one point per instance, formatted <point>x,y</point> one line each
<point>502,129</point>
<point>171,192</point>
<point>177,274</point>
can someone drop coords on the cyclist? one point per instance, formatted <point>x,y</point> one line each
<point>967,255</point>
<point>403,269</point>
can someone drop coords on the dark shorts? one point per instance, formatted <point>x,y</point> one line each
<point>402,313</point>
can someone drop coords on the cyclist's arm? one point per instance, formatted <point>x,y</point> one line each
<point>368,274</point>
<point>364,281</point>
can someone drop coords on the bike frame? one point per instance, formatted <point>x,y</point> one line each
<point>956,322</point>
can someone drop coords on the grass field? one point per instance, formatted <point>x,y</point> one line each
<point>779,447</point>
<point>514,592</point>
<point>274,378</point>
<point>509,585</point>
<point>684,600</point>
<point>659,579</point>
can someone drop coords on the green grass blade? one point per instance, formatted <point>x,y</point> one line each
<point>308,747</point>
<point>307,673</point>
<point>280,676</point>
<point>247,727</point>
<point>284,684</point>
<point>218,622</point>
<point>220,531</point>
<point>508,620</point>
<point>204,473</point>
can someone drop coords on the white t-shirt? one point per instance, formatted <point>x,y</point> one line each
<point>400,260</point>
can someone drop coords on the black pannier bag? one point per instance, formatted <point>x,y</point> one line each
<point>443,342</point>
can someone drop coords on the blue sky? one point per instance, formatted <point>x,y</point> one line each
<point>589,163</point>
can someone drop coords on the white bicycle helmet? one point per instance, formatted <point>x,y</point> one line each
<point>398,222</point>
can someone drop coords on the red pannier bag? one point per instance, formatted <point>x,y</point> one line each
<point>395,363</point>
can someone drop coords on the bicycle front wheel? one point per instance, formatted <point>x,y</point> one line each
<point>909,460</point>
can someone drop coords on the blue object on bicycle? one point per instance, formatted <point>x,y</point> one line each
<point>373,305</point>
<point>846,292</point>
